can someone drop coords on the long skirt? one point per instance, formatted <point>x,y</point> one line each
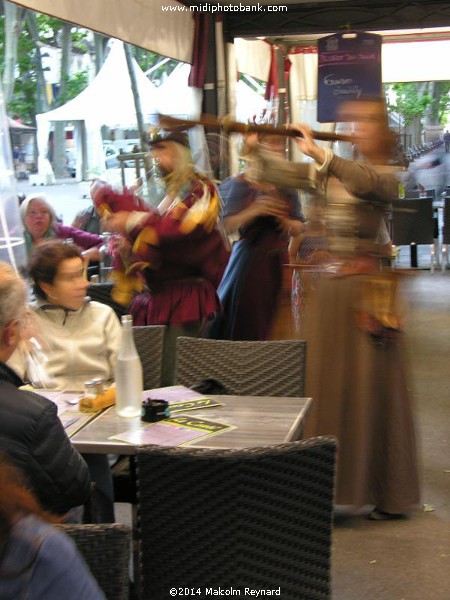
<point>360,395</point>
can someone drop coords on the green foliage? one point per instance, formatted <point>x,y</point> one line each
<point>23,105</point>
<point>441,105</point>
<point>74,85</point>
<point>146,60</point>
<point>410,102</point>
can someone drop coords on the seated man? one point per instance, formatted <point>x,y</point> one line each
<point>31,433</point>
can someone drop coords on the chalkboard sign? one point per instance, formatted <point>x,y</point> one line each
<point>349,69</point>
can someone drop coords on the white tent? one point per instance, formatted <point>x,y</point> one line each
<point>108,100</point>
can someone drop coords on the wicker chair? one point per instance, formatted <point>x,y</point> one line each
<point>445,234</point>
<point>412,224</point>
<point>101,292</point>
<point>275,368</point>
<point>106,551</point>
<point>259,518</point>
<point>149,342</point>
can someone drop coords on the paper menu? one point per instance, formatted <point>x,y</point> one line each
<point>173,394</point>
<point>176,431</point>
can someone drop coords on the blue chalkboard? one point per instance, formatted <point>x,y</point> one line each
<point>349,69</point>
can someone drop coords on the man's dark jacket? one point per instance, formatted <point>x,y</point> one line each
<point>34,440</point>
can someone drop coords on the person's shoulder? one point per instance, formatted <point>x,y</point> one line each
<point>98,308</point>
<point>234,187</point>
<point>33,403</point>
<point>59,570</point>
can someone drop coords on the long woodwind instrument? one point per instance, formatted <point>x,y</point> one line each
<point>227,125</point>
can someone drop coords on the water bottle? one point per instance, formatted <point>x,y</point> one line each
<point>128,374</point>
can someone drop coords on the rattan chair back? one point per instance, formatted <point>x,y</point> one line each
<point>149,341</point>
<point>412,222</point>
<point>446,227</point>
<point>106,551</point>
<point>257,518</point>
<point>273,368</point>
<point>101,292</point>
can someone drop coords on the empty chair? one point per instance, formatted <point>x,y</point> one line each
<point>273,368</point>
<point>412,224</point>
<point>106,551</point>
<point>258,518</point>
<point>149,341</point>
<point>445,233</point>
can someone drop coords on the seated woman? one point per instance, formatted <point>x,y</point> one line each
<point>40,223</point>
<point>36,560</point>
<point>80,338</point>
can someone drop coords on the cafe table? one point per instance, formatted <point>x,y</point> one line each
<point>256,421</point>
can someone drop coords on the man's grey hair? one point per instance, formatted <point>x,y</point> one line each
<point>13,295</point>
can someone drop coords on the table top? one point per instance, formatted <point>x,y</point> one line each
<point>258,421</point>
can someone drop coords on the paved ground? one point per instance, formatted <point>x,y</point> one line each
<point>67,196</point>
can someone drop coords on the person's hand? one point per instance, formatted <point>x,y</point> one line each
<point>269,206</point>
<point>90,254</point>
<point>306,143</point>
<point>116,222</point>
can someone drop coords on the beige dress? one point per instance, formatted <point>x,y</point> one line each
<point>357,379</point>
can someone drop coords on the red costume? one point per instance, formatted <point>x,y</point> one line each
<point>180,255</point>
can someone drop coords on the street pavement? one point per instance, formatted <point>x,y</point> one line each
<point>66,196</point>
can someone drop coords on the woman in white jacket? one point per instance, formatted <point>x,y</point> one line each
<point>80,338</point>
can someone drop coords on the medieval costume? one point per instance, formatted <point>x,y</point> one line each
<point>356,371</point>
<point>251,284</point>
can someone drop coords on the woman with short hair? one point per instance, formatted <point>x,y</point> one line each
<point>81,338</point>
<point>40,223</point>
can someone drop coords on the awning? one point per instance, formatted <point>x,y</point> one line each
<point>18,126</point>
<point>163,27</point>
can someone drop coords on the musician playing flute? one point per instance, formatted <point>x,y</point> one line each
<point>356,371</point>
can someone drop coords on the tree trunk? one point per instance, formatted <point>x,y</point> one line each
<point>59,155</point>
<point>13,26</point>
<point>41,95</point>
<point>135,90</point>
<point>100,42</point>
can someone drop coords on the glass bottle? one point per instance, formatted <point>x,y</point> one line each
<point>128,374</point>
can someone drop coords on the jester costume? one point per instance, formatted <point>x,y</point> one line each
<point>176,259</point>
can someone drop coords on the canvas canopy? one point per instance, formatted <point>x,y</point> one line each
<point>108,100</point>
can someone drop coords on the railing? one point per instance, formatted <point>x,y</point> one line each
<point>138,158</point>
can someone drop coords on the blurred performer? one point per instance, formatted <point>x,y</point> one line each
<point>265,216</point>
<point>356,370</point>
<point>358,381</point>
<point>311,248</point>
<point>174,256</point>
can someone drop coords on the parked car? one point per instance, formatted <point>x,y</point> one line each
<point>111,154</point>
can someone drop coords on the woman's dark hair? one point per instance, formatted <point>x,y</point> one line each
<point>16,500</point>
<point>45,260</point>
